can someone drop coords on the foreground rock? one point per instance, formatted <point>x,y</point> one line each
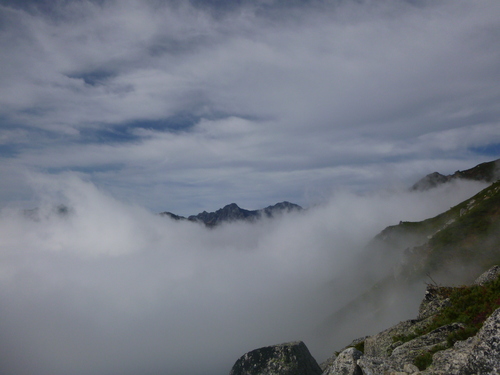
<point>488,276</point>
<point>477,355</point>
<point>393,351</point>
<point>285,359</point>
<point>400,349</point>
<point>346,363</point>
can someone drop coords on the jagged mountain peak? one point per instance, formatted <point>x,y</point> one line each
<point>233,212</point>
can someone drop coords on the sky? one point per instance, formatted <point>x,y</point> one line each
<point>119,110</point>
<point>186,106</point>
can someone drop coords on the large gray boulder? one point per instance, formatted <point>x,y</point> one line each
<point>291,358</point>
<point>346,363</point>
<point>490,275</point>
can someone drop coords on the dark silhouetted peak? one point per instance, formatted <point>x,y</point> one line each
<point>228,213</point>
<point>232,212</point>
<point>172,216</point>
<point>487,172</point>
<point>280,208</point>
<point>430,181</point>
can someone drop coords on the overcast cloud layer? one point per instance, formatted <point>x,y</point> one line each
<point>187,106</point>
<point>122,109</point>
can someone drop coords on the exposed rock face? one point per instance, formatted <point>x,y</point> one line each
<point>477,355</point>
<point>432,302</point>
<point>485,354</point>
<point>346,363</point>
<point>490,275</point>
<point>399,349</point>
<point>285,359</point>
<point>393,351</point>
<point>382,344</point>
<point>374,365</point>
<point>406,353</point>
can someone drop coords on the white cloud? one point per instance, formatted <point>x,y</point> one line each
<point>172,106</point>
<point>110,288</point>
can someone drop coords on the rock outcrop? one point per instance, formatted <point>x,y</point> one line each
<point>395,350</point>
<point>399,350</point>
<point>291,358</point>
<point>488,276</point>
<point>477,355</point>
<point>346,363</point>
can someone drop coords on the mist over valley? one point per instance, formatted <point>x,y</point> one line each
<point>182,182</point>
<point>108,287</point>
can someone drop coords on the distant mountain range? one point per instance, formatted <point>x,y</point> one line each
<point>488,172</point>
<point>232,212</point>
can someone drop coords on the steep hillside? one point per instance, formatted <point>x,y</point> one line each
<point>449,249</point>
<point>457,327</point>
<point>456,332</point>
<point>457,243</point>
<point>488,172</point>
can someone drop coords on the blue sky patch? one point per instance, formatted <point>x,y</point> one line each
<point>489,150</point>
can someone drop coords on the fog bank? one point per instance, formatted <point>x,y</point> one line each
<point>105,287</point>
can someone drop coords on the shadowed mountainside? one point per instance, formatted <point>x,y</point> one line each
<point>488,172</point>
<point>232,212</point>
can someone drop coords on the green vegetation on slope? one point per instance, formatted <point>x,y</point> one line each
<point>466,237</point>
<point>473,236</point>
<point>468,305</point>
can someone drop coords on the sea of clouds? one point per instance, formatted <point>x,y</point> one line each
<point>101,286</point>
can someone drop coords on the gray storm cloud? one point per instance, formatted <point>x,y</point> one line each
<point>107,287</point>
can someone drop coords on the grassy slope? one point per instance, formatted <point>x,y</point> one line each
<point>453,247</point>
<point>466,237</point>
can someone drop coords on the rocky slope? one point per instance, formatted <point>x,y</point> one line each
<point>464,238</point>
<point>232,212</point>
<point>457,331</point>
<point>451,248</point>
